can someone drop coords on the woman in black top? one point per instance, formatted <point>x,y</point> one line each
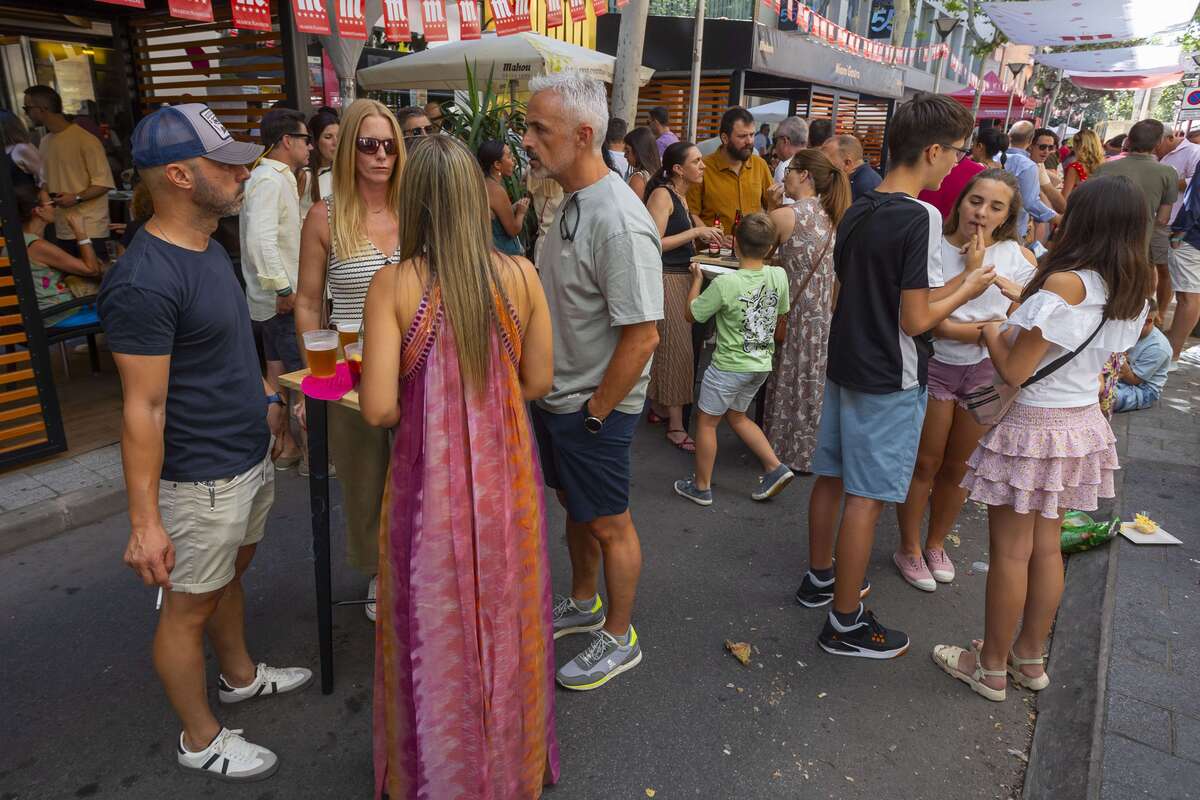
<point>672,376</point>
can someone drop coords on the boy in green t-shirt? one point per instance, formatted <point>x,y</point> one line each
<point>750,306</point>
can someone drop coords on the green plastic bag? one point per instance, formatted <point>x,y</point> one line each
<point>1080,532</point>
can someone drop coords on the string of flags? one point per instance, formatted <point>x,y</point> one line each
<point>810,22</point>
<point>510,16</point>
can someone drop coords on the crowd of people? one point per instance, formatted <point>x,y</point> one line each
<point>943,331</point>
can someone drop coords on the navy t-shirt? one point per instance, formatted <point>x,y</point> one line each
<point>864,179</point>
<point>160,300</point>
<point>886,243</point>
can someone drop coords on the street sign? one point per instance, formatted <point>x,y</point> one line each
<point>1189,113</point>
<point>1191,99</point>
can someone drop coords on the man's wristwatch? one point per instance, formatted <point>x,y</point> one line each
<point>275,398</point>
<point>592,424</point>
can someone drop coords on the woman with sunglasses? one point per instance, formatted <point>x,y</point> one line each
<point>345,241</point>
<point>508,218</point>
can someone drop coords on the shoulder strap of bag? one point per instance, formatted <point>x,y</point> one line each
<point>1054,365</point>
<point>816,264</point>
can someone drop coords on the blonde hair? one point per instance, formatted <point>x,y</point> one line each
<point>347,227</point>
<point>1089,150</point>
<point>444,209</point>
<point>831,184</point>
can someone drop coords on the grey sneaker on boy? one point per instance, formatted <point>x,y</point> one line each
<point>603,660</point>
<point>687,488</point>
<point>773,482</point>
<point>570,618</point>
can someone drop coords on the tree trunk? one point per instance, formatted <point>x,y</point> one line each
<point>979,89</point>
<point>903,9</point>
<point>629,60</point>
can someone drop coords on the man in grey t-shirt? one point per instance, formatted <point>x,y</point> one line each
<point>601,266</point>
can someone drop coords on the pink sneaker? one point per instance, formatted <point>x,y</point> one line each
<point>913,570</point>
<point>940,565</point>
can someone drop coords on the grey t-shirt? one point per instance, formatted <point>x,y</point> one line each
<point>605,272</point>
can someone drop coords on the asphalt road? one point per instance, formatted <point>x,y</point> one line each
<point>85,717</point>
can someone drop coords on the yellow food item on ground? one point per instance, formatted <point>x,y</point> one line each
<point>1143,524</point>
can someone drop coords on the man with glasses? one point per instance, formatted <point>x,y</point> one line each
<point>75,170</point>
<point>414,124</point>
<point>1021,166</point>
<point>790,138</point>
<point>437,117</point>
<point>1045,144</point>
<point>270,244</point>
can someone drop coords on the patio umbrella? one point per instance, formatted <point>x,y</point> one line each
<point>507,59</point>
<point>344,53</point>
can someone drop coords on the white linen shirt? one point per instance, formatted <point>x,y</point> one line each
<point>270,236</point>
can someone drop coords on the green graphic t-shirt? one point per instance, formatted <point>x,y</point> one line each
<point>747,305</point>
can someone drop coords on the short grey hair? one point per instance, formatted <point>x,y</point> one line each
<point>583,100</point>
<point>1021,133</point>
<point>795,130</point>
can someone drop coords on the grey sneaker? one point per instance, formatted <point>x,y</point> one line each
<point>687,488</point>
<point>570,618</point>
<point>602,661</point>
<point>773,482</point>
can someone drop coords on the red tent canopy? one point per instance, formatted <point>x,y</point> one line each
<point>994,105</point>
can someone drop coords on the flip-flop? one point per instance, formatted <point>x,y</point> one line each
<point>687,445</point>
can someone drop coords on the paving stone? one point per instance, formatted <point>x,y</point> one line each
<point>1169,689</point>
<point>111,471</point>
<point>13,497</point>
<point>103,457</point>
<point>1145,772</point>
<point>68,478</point>
<point>1140,721</point>
<point>1187,737</point>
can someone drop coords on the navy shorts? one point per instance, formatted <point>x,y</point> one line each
<point>279,342</point>
<point>590,469</point>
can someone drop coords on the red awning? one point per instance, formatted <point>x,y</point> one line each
<point>1114,82</point>
<point>990,99</point>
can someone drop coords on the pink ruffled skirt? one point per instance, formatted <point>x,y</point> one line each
<point>1043,460</point>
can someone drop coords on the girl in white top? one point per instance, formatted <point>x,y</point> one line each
<point>1054,449</point>
<point>981,231</point>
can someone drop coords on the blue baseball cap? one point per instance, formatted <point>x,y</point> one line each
<point>190,130</point>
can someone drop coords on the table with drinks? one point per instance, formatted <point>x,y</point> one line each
<point>321,348</point>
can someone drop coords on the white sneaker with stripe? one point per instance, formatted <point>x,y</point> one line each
<point>267,680</point>
<point>229,757</point>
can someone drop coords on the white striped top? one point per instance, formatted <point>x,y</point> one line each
<point>349,278</point>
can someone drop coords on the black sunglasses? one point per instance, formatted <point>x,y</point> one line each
<point>428,130</point>
<point>563,232</point>
<point>369,145</point>
<point>307,139</point>
<point>1045,147</point>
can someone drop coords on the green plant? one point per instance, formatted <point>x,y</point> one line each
<point>486,114</point>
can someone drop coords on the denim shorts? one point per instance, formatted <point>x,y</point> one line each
<point>870,440</point>
<point>1134,398</point>
<point>279,342</point>
<point>722,391</point>
<point>590,469</point>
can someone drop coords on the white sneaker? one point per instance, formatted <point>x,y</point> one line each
<point>268,680</point>
<point>229,757</point>
<point>370,607</point>
<point>1174,366</point>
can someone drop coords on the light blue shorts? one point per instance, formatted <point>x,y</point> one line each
<point>870,440</point>
<point>722,391</point>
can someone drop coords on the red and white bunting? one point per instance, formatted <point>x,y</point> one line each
<point>554,13</point>
<point>622,3</point>
<point>251,15</point>
<point>600,7</point>
<point>127,3</point>
<point>350,22</point>
<point>195,10</point>
<point>468,19</point>
<point>433,19</point>
<point>395,21</point>
<point>311,17</point>
<point>512,16</point>
<point>578,10</point>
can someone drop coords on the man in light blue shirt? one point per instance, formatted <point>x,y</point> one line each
<point>1021,166</point>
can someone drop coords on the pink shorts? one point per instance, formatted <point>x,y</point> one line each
<point>955,381</point>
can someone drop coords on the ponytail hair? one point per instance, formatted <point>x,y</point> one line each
<point>676,155</point>
<point>831,184</point>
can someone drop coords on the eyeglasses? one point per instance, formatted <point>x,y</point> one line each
<point>369,145</point>
<point>428,130</point>
<point>307,139</point>
<point>959,152</point>
<point>1045,146</point>
<point>563,233</point>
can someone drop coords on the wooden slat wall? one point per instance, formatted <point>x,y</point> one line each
<point>238,73</point>
<point>22,417</point>
<point>865,118</point>
<point>673,93</point>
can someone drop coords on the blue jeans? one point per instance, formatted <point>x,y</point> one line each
<point>1134,398</point>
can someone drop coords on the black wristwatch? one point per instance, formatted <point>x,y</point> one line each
<point>591,424</point>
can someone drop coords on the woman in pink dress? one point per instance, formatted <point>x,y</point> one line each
<point>457,341</point>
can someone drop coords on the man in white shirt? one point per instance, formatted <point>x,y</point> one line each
<point>270,239</point>
<point>1176,151</point>
<point>614,143</point>
<point>790,138</point>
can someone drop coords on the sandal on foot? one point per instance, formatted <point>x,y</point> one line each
<point>1020,678</point>
<point>655,419</point>
<point>947,656</point>
<point>687,445</point>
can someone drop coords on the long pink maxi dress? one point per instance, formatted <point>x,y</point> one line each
<point>464,648</point>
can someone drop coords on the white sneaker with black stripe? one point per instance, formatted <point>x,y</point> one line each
<point>229,757</point>
<point>267,680</point>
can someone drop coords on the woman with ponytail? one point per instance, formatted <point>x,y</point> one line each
<point>805,240</point>
<point>672,377</point>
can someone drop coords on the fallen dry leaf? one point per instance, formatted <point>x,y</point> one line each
<point>650,793</point>
<point>740,651</point>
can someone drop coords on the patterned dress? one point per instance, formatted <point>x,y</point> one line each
<point>796,388</point>
<point>464,649</point>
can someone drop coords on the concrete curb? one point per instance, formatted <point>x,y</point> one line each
<point>1065,758</point>
<point>49,518</point>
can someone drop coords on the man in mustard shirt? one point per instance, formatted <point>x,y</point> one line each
<point>735,177</point>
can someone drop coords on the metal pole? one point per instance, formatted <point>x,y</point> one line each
<point>697,52</point>
<point>1008,114</point>
<point>937,79</point>
<point>318,493</point>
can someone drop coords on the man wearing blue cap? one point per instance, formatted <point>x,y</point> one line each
<point>197,437</point>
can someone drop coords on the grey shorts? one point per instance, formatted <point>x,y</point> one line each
<point>1160,245</point>
<point>1185,268</point>
<point>722,391</point>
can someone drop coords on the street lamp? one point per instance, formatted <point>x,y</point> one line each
<point>945,26</point>
<point>1016,69</point>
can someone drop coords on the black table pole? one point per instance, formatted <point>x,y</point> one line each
<point>318,493</point>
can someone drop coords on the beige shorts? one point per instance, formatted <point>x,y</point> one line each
<point>1185,268</point>
<point>1160,245</point>
<point>208,521</point>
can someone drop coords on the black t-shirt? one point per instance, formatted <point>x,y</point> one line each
<point>160,299</point>
<point>886,243</point>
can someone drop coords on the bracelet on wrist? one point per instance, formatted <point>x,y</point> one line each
<point>82,242</point>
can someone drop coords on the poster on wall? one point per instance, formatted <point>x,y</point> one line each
<point>554,14</point>
<point>433,20</point>
<point>395,21</point>
<point>251,15</point>
<point>882,14</point>
<point>195,10</point>
<point>350,21</point>
<point>73,80</point>
<point>311,17</point>
<point>468,19</point>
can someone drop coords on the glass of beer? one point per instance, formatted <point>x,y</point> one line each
<point>347,333</point>
<point>320,347</point>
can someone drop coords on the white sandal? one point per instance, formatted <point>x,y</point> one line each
<point>946,656</point>
<point>1020,678</point>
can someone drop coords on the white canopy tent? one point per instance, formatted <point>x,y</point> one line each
<point>505,58</point>
<point>1063,23</point>
<point>1144,59</point>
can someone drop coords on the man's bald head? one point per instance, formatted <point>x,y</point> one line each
<point>1021,134</point>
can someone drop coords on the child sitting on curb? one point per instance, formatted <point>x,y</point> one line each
<point>1144,372</point>
<point>750,305</point>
